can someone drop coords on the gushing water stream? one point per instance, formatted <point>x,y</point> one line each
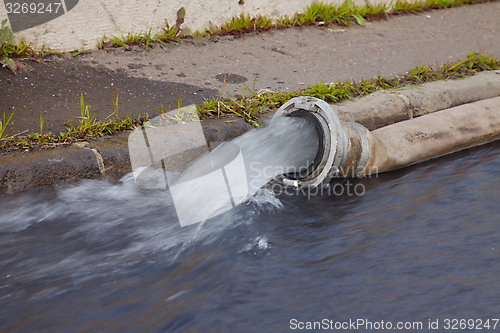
<point>233,172</point>
<point>94,217</point>
<point>420,244</point>
<point>288,145</point>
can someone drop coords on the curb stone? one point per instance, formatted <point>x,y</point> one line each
<point>108,158</point>
<point>47,168</point>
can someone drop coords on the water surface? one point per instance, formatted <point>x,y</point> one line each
<point>421,243</point>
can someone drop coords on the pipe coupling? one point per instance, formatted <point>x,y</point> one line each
<point>333,141</point>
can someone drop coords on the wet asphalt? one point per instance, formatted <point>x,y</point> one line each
<point>277,60</point>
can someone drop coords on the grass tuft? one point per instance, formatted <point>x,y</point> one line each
<point>317,13</point>
<point>4,124</point>
<point>249,108</point>
<point>87,128</point>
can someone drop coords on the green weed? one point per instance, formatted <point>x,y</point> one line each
<point>42,125</point>
<point>168,34</point>
<point>115,101</point>
<point>9,50</point>
<point>4,124</point>
<point>85,121</point>
<point>249,108</point>
<point>6,47</point>
<point>162,110</point>
<point>212,105</point>
<point>178,100</point>
<point>345,14</point>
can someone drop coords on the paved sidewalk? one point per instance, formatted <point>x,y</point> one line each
<point>280,60</point>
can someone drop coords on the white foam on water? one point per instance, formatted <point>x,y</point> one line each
<point>96,228</point>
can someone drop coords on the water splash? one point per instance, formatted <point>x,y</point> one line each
<point>96,228</point>
<point>288,145</point>
<point>235,171</point>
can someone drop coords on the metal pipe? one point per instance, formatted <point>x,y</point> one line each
<point>350,150</point>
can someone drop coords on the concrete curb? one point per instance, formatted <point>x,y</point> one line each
<point>47,168</point>
<point>108,158</point>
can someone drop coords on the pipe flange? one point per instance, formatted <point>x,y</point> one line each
<point>332,136</point>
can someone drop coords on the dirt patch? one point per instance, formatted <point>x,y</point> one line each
<point>230,78</point>
<point>469,129</point>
